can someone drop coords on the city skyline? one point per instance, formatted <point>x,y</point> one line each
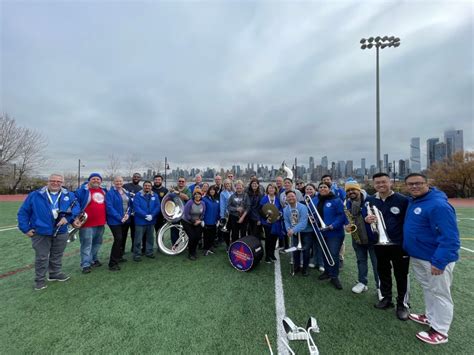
<point>225,83</point>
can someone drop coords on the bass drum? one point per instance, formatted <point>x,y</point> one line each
<point>245,253</point>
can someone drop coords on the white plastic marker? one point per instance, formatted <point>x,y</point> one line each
<point>268,343</point>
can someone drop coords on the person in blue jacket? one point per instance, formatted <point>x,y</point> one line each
<point>211,216</point>
<point>272,230</point>
<point>295,216</point>
<point>118,209</point>
<point>146,205</point>
<point>43,217</point>
<point>331,211</point>
<point>432,241</point>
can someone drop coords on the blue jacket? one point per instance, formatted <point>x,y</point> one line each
<point>36,212</point>
<point>144,204</point>
<point>393,210</point>
<point>114,207</point>
<point>301,216</point>
<point>430,229</point>
<point>333,215</point>
<point>83,195</point>
<point>276,226</point>
<point>211,214</point>
<point>223,199</point>
<point>338,191</point>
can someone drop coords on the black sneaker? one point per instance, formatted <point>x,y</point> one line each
<point>337,284</point>
<point>137,258</point>
<point>40,285</point>
<point>324,276</point>
<point>59,277</point>
<point>87,270</point>
<point>402,312</point>
<point>305,272</point>
<point>151,256</point>
<point>114,268</point>
<point>384,304</point>
<point>96,263</point>
<point>296,270</point>
<point>268,261</point>
<point>122,260</point>
<point>191,257</point>
<point>273,258</point>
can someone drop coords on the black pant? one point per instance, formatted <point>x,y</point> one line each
<point>237,230</point>
<point>194,233</point>
<point>130,225</point>
<point>270,242</point>
<point>255,229</point>
<point>386,256</point>
<point>160,222</point>
<point>209,236</point>
<point>120,234</point>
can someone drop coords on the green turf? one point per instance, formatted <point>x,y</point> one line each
<point>172,305</point>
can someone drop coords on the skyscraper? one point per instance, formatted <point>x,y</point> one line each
<point>362,166</point>
<point>341,168</point>
<point>440,151</point>
<point>349,168</point>
<point>311,164</point>
<point>454,142</point>
<point>415,161</point>
<point>402,171</point>
<point>385,163</point>
<point>324,162</point>
<point>430,151</point>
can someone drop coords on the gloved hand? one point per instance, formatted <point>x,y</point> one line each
<point>148,217</point>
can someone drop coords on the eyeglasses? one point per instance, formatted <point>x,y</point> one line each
<point>56,181</point>
<point>230,176</point>
<point>415,184</point>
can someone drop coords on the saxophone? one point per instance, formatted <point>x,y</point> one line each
<point>352,227</point>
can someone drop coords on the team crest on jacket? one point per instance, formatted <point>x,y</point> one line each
<point>66,198</point>
<point>417,210</point>
<point>328,204</point>
<point>395,210</point>
<point>153,198</point>
<point>98,197</point>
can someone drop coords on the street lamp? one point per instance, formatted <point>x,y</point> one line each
<point>166,168</point>
<point>79,165</point>
<point>379,43</point>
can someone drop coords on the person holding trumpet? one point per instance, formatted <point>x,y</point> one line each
<point>295,216</point>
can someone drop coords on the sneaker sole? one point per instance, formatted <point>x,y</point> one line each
<point>361,291</point>
<point>428,341</point>
<point>41,288</point>
<point>60,280</point>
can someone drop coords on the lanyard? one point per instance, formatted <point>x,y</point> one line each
<point>54,204</point>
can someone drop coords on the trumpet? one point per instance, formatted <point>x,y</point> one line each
<point>351,227</point>
<point>378,226</point>
<point>312,210</point>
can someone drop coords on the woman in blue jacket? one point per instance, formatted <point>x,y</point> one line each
<point>211,216</point>
<point>331,210</point>
<point>117,202</point>
<point>272,230</point>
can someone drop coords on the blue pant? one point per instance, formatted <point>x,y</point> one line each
<point>148,232</point>
<point>361,251</point>
<point>317,258</point>
<point>306,240</point>
<point>91,240</point>
<point>334,245</point>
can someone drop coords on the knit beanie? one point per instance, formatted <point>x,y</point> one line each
<point>94,175</point>
<point>351,185</point>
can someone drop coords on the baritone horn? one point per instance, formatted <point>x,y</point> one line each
<point>313,214</point>
<point>72,231</point>
<point>172,209</point>
<point>378,226</point>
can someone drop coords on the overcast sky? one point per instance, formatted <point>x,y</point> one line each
<point>217,83</point>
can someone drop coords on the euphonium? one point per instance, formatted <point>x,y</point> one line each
<point>351,227</point>
<point>379,225</point>
<point>72,231</point>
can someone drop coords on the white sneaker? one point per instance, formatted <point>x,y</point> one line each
<point>321,269</point>
<point>379,294</point>
<point>312,266</point>
<point>359,288</point>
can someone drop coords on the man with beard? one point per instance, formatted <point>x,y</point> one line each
<point>161,191</point>
<point>197,183</point>
<point>91,199</point>
<point>133,188</point>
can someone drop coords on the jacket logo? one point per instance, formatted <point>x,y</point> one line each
<point>328,204</point>
<point>395,210</point>
<point>153,198</point>
<point>66,198</point>
<point>417,210</point>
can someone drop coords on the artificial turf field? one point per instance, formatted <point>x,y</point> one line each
<point>172,305</point>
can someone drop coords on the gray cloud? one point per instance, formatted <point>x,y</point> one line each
<point>219,83</point>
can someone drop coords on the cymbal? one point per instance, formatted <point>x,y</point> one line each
<point>270,212</point>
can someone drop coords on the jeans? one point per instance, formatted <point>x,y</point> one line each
<point>361,251</point>
<point>306,240</point>
<point>334,245</point>
<point>91,241</point>
<point>141,232</point>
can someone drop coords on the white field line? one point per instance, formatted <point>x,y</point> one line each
<point>472,251</point>
<point>8,229</point>
<point>279,306</point>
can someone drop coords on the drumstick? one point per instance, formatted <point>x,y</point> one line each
<point>268,343</point>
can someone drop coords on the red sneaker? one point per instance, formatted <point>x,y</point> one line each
<point>432,337</point>
<point>419,318</point>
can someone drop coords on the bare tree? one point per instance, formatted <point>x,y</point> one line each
<point>132,163</point>
<point>113,169</point>
<point>157,166</point>
<point>10,137</point>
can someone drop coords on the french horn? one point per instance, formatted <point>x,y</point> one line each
<point>172,209</point>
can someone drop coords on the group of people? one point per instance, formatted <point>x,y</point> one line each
<point>421,230</point>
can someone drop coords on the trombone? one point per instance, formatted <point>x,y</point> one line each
<point>313,214</point>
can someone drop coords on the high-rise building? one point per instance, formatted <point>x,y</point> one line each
<point>341,168</point>
<point>454,142</point>
<point>385,163</point>
<point>349,168</point>
<point>415,161</point>
<point>324,162</point>
<point>430,151</point>
<point>440,152</point>
<point>311,164</point>
<point>362,166</point>
<point>402,170</point>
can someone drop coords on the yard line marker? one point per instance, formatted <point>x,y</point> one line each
<point>8,229</point>
<point>280,307</point>
<point>472,251</point>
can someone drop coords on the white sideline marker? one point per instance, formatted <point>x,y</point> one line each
<point>8,229</point>
<point>472,251</point>
<point>279,307</point>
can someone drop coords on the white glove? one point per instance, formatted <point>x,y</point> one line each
<point>148,217</point>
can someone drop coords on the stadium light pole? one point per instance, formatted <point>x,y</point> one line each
<point>379,43</point>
